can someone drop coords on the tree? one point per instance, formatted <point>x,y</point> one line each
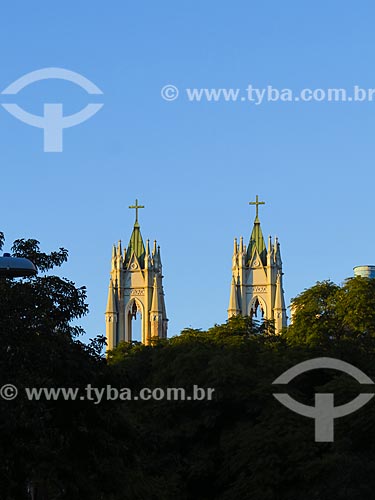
<point>356,307</point>
<point>327,313</point>
<point>43,303</point>
<point>57,449</point>
<point>244,444</point>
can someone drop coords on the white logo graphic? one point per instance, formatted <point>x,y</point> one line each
<point>169,92</point>
<point>53,121</point>
<point>324,412</point>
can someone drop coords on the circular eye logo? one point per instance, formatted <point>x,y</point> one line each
<point>324,412</point>
<point>53,120</point>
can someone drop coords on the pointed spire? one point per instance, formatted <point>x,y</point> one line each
<point>269,252</point>
<point>147,255</point>
<point>279,311</point>
<point>257,241</point>
<point>233,308</point>
<point>276,251</point>
<point>279,296</point>
<point>241,255</point>
<point>278,254</point>
<point>155,256</point>
<point>112,301</point>
<point>159,258</point>
<point>244,254</point>
<point>119,259</point>
<point>235,249</point>
<point>114,258</point>
<point>136,246</point>
<point>235,254</point>
<point>156,303</point>
<point>256,238</point>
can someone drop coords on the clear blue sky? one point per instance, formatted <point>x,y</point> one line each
<point>194,165</point>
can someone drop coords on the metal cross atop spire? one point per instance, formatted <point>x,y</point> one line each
<point>137,207</point>
<point>257,203</point>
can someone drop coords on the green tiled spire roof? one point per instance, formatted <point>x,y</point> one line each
<point>256,238</point>
<point>136,244</point>
<point>257,241</point>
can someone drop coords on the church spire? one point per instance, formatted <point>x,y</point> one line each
<point>256,238</point>
<point>136,287</point>
<point>259,283</point>
<point>136,244</point>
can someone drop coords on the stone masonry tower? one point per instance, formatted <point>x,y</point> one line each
<point>257,278</point>
<point>136,286</point>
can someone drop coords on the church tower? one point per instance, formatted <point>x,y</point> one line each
<point>135,288</point>
<point>257,278</point>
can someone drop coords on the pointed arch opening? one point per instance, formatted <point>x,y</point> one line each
<point>257,308</point>
<point>134,321</point>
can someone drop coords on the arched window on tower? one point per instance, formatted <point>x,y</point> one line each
<point>135,323</point>
<point>256,305</point>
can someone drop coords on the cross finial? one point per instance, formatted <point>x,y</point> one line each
<point>257,203</point>
<point>137,207</point>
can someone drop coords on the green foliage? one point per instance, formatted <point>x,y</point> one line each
<point>44,262</point>
<point>242,444</point>
<point>314,315</point>
<point>40,304</point>
<point>60,449</point>
<point>356,307</point>
<point>327,313</point>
